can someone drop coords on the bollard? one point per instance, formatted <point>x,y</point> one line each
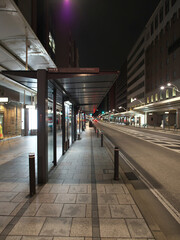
<point>116,163</point>
<point>32,179</point>
<point>97,132</point>
<point>78,136</point>
<point>101,139</point>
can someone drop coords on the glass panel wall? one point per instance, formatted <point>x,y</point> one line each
<point>59,130</point>
<point>50,135</point>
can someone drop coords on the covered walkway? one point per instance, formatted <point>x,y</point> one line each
<point>80,201</point>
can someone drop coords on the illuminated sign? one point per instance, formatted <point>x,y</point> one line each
<point>3,99</point>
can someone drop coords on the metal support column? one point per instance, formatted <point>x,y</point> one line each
<point>72,123</point>
<point>79,121</point>
<point>54,129</point>
<point>63,127</point>
<point>42,136</point>
<point>75,124</point>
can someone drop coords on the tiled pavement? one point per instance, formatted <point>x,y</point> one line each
<point>80,201</point>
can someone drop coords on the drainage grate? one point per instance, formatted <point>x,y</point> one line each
<point>131,176</point>
<point>108,171</point>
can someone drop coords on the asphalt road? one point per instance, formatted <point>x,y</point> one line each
<point>155,154</point>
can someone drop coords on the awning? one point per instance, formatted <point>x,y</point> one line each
<point>168,104</point>
<point>86,87</point>
<point>19,46</point>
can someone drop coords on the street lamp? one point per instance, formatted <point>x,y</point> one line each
<point>121,107</point>
<point>135,99</point>
<point>170,85</point>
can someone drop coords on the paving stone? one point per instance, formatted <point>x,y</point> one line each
<point>21,187</point>
<point>137,212</point>
<point>122,211</point>
<point>28,226</point>
<point>17,209</point>
<point>88,211</point>
<point>46,188</point>
<point>50,210</point>
<point>56,227</point>
<point>81,227</point>
<point>59,189</point>
<point>125,198</point>
<point>104,211</point>
<point>84,198</point>
<point>66,198</point>
<point>73,210</point>
<point>37,238</point>
<point>45,198</point>
<point>13,238</point>
<point>100,188</point>
<point>4,220</point>
<point>6,186</point>
<point>7,196</point>
<point>20,197</point>
<point>113,228</point>
<point>7,207</point>
<point>114,189</point>
<point>104,198</point>
<point>32,209</point>
<point>138,228</point>
<point>68,238</point>
<point>78,189</point>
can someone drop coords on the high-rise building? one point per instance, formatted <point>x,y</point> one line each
<point>162,64</point>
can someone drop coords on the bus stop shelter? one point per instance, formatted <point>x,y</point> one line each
<point>85,88</point>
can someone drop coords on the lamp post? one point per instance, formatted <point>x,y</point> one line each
<point>170,85</point>
<point>135,99</point>
<point>121,107</point>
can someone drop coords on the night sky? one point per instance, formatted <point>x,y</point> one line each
<point>106,30</point>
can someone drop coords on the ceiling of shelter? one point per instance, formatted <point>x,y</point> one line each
<point>86,90</point>
<point>15,35</point>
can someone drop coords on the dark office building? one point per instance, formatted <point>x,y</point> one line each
<point>53,31</point>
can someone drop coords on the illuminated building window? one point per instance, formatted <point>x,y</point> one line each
<point>174,92</point>
<point>161,95</point>
<point>167,93</point>
<point>152,98</point>
<point>156,97</point>
<point>147,99</point>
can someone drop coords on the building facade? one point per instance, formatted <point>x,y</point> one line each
<point>162,65</point>
<point>153,73</point>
